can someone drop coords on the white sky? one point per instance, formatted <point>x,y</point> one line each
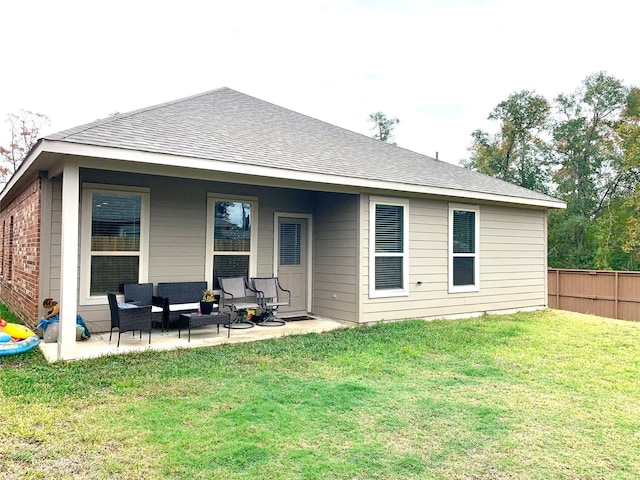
<point>439,66</point>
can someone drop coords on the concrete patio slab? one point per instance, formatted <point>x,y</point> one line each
<point>98,345</point>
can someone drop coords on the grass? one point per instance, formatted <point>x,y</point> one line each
<point>531,396</point>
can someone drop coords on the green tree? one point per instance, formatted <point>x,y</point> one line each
<point>383,126</point>
<point>517,153</point>
<point>586,144</point>
<point>590,176</point>
<point>629,131</point>
<point>586,152</point>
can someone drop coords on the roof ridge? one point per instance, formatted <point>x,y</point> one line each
<point>333,125</point>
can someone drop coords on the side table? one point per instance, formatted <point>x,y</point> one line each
<point>193,320</point>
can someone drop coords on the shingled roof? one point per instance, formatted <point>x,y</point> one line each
<point>229,126</point>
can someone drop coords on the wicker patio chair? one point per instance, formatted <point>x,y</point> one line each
<point>129,319</point>
<point>141,294</point>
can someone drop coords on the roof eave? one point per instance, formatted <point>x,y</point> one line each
<point>168,160</point>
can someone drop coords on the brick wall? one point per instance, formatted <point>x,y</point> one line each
<point>20,254</point>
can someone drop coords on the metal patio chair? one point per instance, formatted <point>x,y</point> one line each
<point>271,296</point>
<point>238,296</point>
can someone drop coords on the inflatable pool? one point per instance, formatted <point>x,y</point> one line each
<point>12,347</point>
<point>16,338</point>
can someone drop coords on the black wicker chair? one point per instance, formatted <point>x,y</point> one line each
<point>141,294</point>
<point>129,319</point>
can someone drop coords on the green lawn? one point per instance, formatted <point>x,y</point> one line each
<point>531,396</point>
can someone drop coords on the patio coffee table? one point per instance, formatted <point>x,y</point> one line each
<point>193,320</point>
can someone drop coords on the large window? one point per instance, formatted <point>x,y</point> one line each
<point>388,247</point>
<point>231,240</point>
<point>114,239</point>
<point>463,248</point>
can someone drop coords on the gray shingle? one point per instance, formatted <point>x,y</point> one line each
<point>229,126</point>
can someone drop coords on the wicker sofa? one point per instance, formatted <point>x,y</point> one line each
<point>179,298</point>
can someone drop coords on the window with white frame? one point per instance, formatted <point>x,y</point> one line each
<point>464,244</point>
<point>114,239</point>
<point>231,241</point>
<point>388,247</point>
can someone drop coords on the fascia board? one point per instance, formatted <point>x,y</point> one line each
<point>24,166</point>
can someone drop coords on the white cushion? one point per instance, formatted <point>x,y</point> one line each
<point>186,306</point>
<point>126,305</point>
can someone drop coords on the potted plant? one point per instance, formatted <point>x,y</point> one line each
<point>206,303</point>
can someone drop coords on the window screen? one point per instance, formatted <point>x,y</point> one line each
<point>232,225</point>
<point>463,249</point>
<point>389,223</point>
<point>389,246</point>
<point>115,241</point>
<point>290,244</point>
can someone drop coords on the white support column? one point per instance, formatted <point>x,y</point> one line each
<point>69,261</point>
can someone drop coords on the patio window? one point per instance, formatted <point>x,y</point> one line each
<point>463,248</point>
<point>388,247</point>
<point>115,238</point>
<point>232,237</point>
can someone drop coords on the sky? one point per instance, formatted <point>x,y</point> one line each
<point>438,66</point>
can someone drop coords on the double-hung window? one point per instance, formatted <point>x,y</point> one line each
<point>388,247</point>
<point>231,238</point>
<point>464,244</point>
<point>115,226</point>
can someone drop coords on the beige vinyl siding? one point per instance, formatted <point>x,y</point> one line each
<point>272,200</point>
<point>512,257</point>
<point>512,248</point>
<point>50,240</point>
<point>177,227</point>
<point>335,266</point>
<point>512,264</point>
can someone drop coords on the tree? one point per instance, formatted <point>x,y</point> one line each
<point>517,152</point>
<point>629,131</point>
<point>24,130</point>
<point>590,175</point>
<point>586,152</point>
<point>383,126</point>
<point>587,145</point>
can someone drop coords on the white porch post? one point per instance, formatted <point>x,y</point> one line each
<point>69,262</point>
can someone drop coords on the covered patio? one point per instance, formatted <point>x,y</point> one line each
<point>98,345</point>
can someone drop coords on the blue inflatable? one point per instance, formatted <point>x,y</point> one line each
<point>8,346</point>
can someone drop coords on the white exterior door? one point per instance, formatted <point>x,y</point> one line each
<point>292,261</point>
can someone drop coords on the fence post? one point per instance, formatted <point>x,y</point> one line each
<point>616,295</point>
<point>558,288</point>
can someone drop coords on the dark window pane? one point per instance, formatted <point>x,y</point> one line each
<point>115,222</point>
<point>388,273</point>
<point>389,225</point>
<point>290,244</point>
<point>464,232</point>
<point>232,227</point>
<point>109,274</point>
<point>229,266</point>
<point>463,271</point>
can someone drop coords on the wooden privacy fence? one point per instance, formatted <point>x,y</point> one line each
<point>596,292</point>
